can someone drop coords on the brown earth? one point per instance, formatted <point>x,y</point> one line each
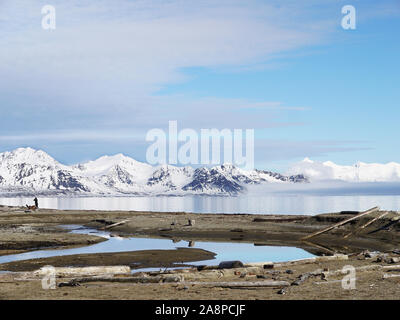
<point>368,285</point>
<point>22,230</point>
<point>134,259</point>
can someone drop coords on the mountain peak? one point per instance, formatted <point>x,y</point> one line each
<point>28,155</point>
<point>104,164</point>
<point>29,170</point>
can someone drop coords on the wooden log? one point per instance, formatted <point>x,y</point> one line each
<point>341,223</point>
<point>367,224</point>
<point>373,220</point>
<point>329,251</point>
<point>327,282</point>
<point>391,268</point>
<point>116,224</point>
<point>305,276</point>
<point>243,284</point>
<point>162,280</point>
<point>219,273</point>
<point>88,271</point>
<point>386,276</point>
<point>158,279</point>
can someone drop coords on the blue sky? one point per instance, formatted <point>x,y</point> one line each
<point>112,70</point>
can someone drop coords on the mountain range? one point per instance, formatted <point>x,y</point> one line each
<point>358,172</point>
<point>26,171</point>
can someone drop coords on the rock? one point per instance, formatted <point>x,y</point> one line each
<point>230,264</point>
<point>71,283</point>
<point>282,291</point>
<point>394,260</point>
<point>383,258</point>
<point>174,279</point>
<point>289,271</point>
<point>191,222</point>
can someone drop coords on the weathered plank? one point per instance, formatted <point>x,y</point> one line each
<point>88,271</point>
<point>244,284</point>
<point>367,224</point>
<point>341,223</point>
<point>116,224</point>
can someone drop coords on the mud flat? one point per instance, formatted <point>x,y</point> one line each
<point>133,259</point>
<point>313,279</point>
<point>377,232</point>
<point>288,230</point>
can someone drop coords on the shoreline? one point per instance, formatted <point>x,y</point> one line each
<point>21,229</point>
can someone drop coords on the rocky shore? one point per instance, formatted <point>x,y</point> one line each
<point>367,243</point>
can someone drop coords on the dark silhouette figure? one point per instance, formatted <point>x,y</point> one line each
<point>36,202</point>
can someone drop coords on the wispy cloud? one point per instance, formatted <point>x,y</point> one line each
<point>99,72</point>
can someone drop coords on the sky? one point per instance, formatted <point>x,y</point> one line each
<point>113,70</point>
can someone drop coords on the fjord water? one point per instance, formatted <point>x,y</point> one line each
<point>261,204</point>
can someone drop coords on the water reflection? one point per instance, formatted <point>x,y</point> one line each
<point>245,252</point>
<point>266,204</point>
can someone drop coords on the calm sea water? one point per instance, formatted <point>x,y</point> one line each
<point>268,204</point>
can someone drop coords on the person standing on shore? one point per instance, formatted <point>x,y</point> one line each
<point>36,202</point>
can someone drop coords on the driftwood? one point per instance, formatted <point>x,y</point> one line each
<point>323,248</point>
<point>386,276</point>
<point>87,271</point>
<point>341,223</point>
<point>305,276</point>
<point>373,220</point>
<point>244,284</point>
<point>271,265</point>
<point>116,224</point>
<point>391,268</point>
<point>228,272</point>
<point>177,279</point>
<point>327,282</point>
<point>66,272</point>
<point>158,279</point>
<point>368,223</point>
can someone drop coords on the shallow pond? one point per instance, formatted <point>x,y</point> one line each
<point>225,251</point>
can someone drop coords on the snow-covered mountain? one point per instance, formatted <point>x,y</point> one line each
<point>359,172</point>
<point>29,171</point>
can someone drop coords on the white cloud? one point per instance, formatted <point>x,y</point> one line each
<point>101,68</point>
<point>114,53</point>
